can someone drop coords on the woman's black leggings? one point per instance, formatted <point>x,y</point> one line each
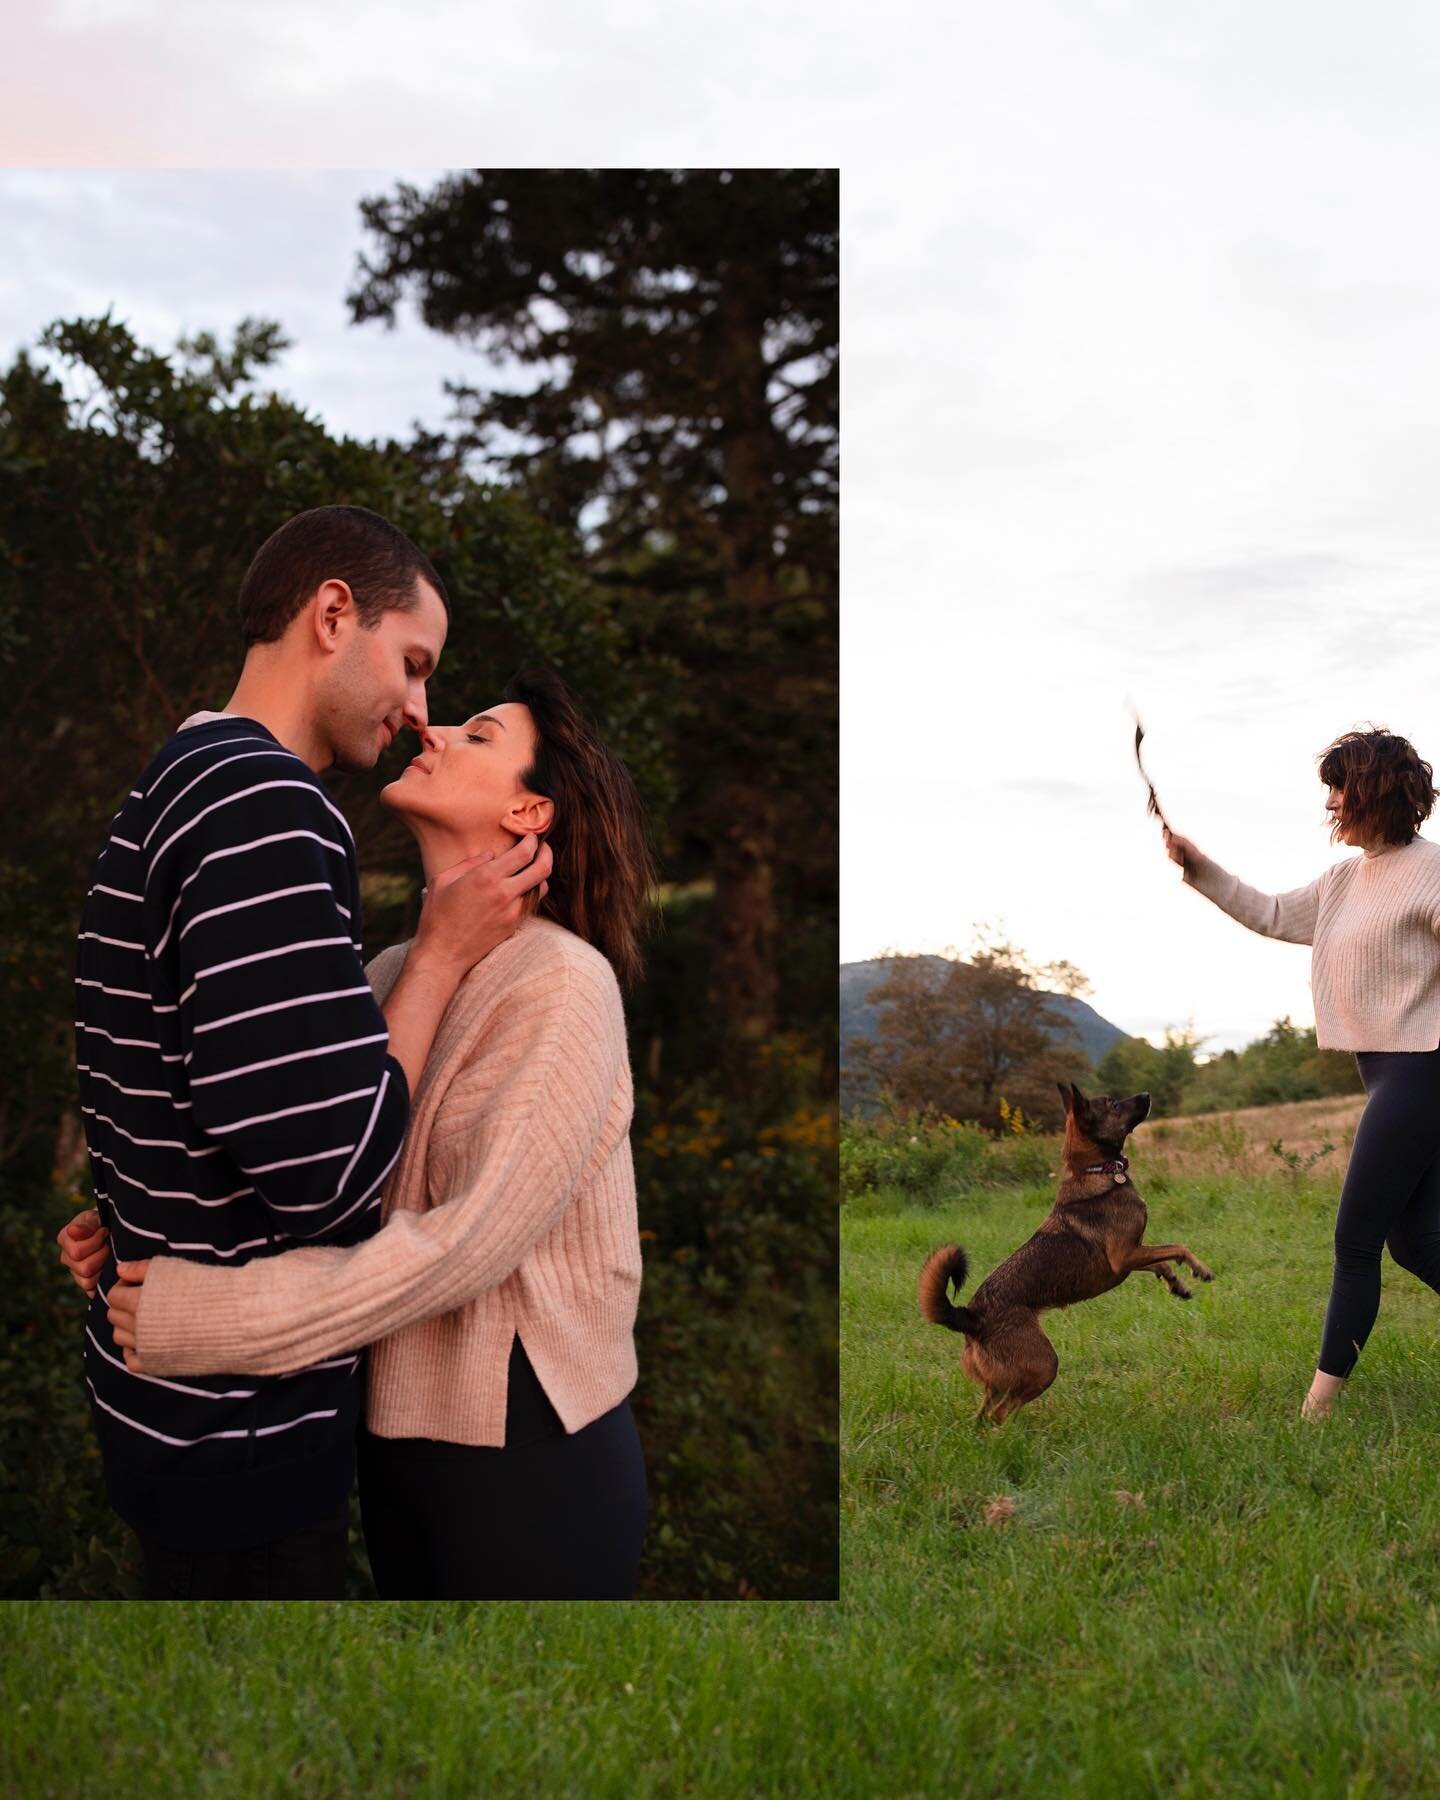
<point>1391,1196</point>
<point>551,1516</point>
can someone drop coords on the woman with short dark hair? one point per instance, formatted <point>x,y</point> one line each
<point>1374,922</point>
<point>499,1459</point>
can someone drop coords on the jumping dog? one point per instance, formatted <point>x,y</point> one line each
<point>1088,1242</point>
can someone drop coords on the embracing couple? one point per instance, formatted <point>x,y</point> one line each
<point>295,1156</point>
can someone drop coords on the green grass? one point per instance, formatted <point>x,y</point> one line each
<point>1266,1625</point>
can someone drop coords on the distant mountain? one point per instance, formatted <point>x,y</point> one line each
<point>860,1017</point>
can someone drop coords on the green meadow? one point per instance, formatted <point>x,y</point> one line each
<point>1155,1580</point>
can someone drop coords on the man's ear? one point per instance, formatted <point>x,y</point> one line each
<point>331,602</point>
<point>531,812</point>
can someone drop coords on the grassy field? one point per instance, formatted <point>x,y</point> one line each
<point>1155,1580</point>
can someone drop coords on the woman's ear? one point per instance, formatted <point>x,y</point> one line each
<point>530,812</point>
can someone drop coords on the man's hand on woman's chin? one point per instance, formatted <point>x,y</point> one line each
<point>124,1309</point>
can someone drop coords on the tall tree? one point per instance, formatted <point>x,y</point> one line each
<point>979,1032</point>
<point>674,337</point>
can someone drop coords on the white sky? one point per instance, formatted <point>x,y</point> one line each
<point>1141,381</point>
<point>180,251</point>
<point>1144,404</point>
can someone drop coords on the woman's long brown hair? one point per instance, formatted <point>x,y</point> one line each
<point>604,874</point>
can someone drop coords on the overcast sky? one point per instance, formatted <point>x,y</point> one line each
<point>180,251</point>
<point>1141,381</point>
<point>1145,407</point>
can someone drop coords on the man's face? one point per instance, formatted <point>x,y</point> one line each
<point>378,683</point>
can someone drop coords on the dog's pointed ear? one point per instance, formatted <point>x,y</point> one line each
<point>1067,1094</point>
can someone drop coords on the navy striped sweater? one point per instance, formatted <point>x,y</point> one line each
<point>239,1100</point>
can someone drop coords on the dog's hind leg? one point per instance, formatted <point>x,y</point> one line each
<point>1031,1374</point>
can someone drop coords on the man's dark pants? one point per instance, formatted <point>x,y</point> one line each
<point>307,1565</point>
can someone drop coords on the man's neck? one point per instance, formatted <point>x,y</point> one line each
<point>272,697</point>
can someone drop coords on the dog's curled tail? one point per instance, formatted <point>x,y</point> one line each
<point>942,1267</point>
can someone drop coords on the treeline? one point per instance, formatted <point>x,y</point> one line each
<point>969,1039</point>
<point>982,1038</point>
<point>1285,1065</point>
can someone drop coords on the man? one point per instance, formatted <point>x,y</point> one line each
<point>241,1090</point>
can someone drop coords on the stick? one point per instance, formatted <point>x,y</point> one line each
<point>1152,805</point>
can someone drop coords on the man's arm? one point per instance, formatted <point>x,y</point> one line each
<point>522,1123</point>
<point>285,1053</point>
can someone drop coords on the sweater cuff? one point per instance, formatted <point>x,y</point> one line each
<point>191,1319</point>
<point>1204,876</point>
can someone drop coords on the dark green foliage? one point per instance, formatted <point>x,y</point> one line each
<point>60,1538</point>
<point>1134,1066</point>
<point>1282,1066</point>
<point>925,1159</point>
<point>679,331</point>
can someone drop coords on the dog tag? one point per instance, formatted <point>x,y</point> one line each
<point>1119,1180</point>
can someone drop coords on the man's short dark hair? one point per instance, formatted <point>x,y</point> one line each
<point>332,543</point>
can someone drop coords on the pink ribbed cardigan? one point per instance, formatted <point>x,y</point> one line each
<point>511,1209</point>
<point>1374,921</point>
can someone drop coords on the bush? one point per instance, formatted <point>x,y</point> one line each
<point>917,1155</point>
<point>927,1157</point>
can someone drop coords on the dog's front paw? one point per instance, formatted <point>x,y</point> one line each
<point>1180,1291</point>
<point>1201,1273</point>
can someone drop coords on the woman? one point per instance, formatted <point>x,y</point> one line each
<point>499,1459</point>
<point>1374,922</point>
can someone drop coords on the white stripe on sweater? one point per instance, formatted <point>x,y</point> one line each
<point>224,763</point>
<point>136,1093</point>
<point>275,1062</point>
<point>119,993</point>
<point>245,738</point>
<point>275,837</point>
<point>169,1193</point>
<point>170,1244</point>
<point>115,943</point>
<point>288,1112</point>
<point>151,1143</point>
<point>295,1162</point>
<point>178,1387</point>
<point>241,962</point>
<point>283,1006</point>
<point>261,787</point>
<point>205,1437</point>
<point>306,887</point>
<point>134,1043</point>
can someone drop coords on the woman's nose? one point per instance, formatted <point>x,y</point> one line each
<point>430,739</point>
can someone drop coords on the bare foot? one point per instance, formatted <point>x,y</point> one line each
<point>1318,1403</point>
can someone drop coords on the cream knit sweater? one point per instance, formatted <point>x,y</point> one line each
<point>511,1209</point>
<point>1374,921</point>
